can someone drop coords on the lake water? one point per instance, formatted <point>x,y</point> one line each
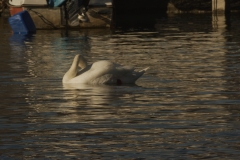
<point>186,106</point>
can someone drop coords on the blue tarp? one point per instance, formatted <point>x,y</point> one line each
<point>22,23</point>
<point>55,3</point>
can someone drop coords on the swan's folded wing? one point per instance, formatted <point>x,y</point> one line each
<point>123,70</point>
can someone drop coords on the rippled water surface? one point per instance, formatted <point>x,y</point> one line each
<point>186,106</point>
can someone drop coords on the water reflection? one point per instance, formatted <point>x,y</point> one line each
<point>225,25</point>
<point>91,95</point>
<point>19,39</point>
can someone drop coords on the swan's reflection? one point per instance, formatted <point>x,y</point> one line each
<point>94,94</point>
<point>101,95</point>
<point>82,103</point>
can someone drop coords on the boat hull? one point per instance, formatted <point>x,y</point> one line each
<point>137,13</point>
<point>28,2</point>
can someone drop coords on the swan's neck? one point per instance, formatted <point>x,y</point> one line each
<point>72,72</point>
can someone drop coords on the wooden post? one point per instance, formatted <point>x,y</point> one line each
<point>220,14</point>
<point>221,6</point>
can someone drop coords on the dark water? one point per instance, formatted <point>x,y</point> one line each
<point>186,106</point>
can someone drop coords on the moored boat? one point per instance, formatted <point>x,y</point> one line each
<point>52,13</point>
<point>89,13</point>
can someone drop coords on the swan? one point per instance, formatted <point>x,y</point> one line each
<point>101,72</point>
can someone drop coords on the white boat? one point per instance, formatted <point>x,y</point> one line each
<point>99,2</point>
<point>44,2</point>
<point>18,3</point>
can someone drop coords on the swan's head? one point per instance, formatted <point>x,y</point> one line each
<point>81,61</point>
<point>78,61</point>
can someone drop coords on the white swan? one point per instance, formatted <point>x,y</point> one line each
<point>101,72</point>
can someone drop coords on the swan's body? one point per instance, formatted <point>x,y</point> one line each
<point>101,72</point>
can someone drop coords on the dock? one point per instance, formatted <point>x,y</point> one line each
<point>49,18</point>
<point>114,13</point>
